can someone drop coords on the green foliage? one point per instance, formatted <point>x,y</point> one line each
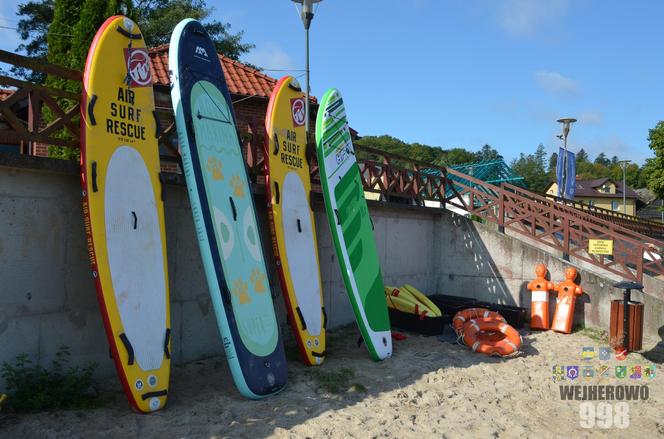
<point>655,167</point>
<point>428,154</point>
<point>33,388</point>
<point>93,14</point>
<point>532,168</point>
<point>32,30</point>
<point>157,19</point>
<point>336,381</point>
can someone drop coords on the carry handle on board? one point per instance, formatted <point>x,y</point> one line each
<point>233,208</point>
<point>91,110</point>
<point>133,214</point>
<point>130,350</point>
<point>336,212</point>
<point>299,227</point>
<point>276,144</point>
<point>94,177</point>
<point>128,34</point>
<point>276,192</point>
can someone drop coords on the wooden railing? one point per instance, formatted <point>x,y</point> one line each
<point>552,224</point>
<point>61,127</point>
<point>641,225</point>
<point>556,225</point>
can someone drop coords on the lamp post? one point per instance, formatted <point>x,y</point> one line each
<point>623,164</point>
<point>567,123</point>
<point>307,14</point>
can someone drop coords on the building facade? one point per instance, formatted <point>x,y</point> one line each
<point>603,193</point>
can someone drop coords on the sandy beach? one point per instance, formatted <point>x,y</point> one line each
<point>429,388</point>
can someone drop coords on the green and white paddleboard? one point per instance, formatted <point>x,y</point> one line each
<point>351,226</point>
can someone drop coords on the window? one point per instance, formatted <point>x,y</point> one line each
<point>606,188</point>
<point>615,205</point>
<point>591,203</point>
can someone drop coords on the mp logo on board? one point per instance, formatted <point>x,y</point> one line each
<point>297,111</point>
<point>138,67</point>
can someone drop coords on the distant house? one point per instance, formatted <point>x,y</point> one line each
<point>601,192</point>
<point>653,210</point>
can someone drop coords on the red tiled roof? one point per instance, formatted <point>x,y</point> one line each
<point>241,79</point>
<point>590,188</point>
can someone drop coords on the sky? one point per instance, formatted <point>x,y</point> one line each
<point>464,73</point>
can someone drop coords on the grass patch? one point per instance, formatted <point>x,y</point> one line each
<point>32,388</point>
<point>597,334</point>
<point>336,381</point>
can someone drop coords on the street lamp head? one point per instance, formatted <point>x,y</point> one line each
<point>566,121</point>
<point>306,11</point>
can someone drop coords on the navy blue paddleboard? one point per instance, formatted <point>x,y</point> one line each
<point>224,213</point>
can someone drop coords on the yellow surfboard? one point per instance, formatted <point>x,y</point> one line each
<point>288,186</point>
<point>124,211</point>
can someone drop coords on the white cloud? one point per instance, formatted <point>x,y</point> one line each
<point>522,18</point>
<point>556,83</point>
<point>591,117</point>
<point>270,56</point>
<point>613,144</point>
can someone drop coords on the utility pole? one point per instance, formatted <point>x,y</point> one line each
<point>307,14</point>
<point>623,164</point>
<point>567,123</point>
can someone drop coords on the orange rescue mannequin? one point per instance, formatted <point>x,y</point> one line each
<point>539,310</point>
<point>567,292</point>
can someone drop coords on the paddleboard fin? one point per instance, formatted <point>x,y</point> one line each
<point>94,177</point>
<point>128,347</point>
<point>91,109</point>
<point>128,34</point>
<point>167,339</point>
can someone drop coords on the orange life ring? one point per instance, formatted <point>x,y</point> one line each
<point>462,317</point>
<point>476,335</point>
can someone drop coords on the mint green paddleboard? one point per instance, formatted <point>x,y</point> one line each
<point>351,226</point>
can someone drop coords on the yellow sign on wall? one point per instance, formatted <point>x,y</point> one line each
<point>600,246</point>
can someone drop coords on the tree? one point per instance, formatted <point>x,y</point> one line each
<point>656,166</point>
<point>488,153</point>
<point>93,15</point>
<point>601,159</point>
<point>157,18</point>
<point>60,36</point>
<point>581,156</point>
<point>553,162</point>
<point>532,168</point>
<point>457,156</point>
<point>50,29</point>
<point>32,30</point>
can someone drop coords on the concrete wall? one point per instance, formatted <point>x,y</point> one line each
<point>47,297</point>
